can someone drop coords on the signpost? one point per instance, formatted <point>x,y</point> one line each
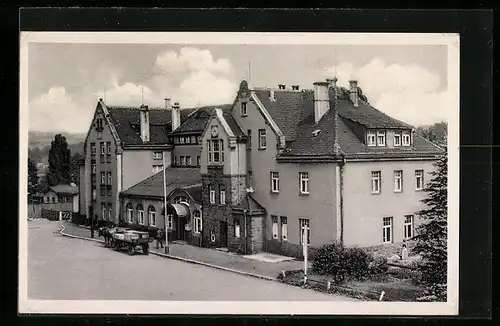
<point>304,247</point>
<point>165,203</point>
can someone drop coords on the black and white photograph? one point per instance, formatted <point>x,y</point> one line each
<point>239,173</point>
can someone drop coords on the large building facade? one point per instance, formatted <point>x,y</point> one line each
<point>323,160</point>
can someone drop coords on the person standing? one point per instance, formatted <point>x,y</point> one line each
<point>159,238</point>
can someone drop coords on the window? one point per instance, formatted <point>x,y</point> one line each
<point>406,138</point>
<point>236,228</point>
<point>243,109</point>
<point>103,191</point>
<point>408,227</point>
<point>375,182</point>
<point>108,146</point>
<point>102,148</point>
<point>197,221</point>
<point>187,140</point>
<point>398,180</point>
<point>109,179</point>
<point>109,191</point>
<point>140,214</point>
<point>183,161</point>
<point>249,135</point>
<point>262,139</point>
<point>387,230</point>
<point>284,228</point>
<point>94,194</point>
<point>193,139</point>
<point>304,182</point>
<point>381,138</point>
<point>371,139</point>
<point>181,139</point>
<point>94,167</point>
<point>304,227</point>
<point>212,194</point>
<point>152,215</point>
<point>181,200</point>
<point>92,149</point>
<point>158,155</point>
<point>215,151</point>
<point>275,226</point>
<point>419,179</point>
<point>275,182</point>
<point>397,139</point>
<point>130,213</point>
<point>176,161</point>
<point>222,197</point>
<point>103,178</point>
<point>198,139</point>
<point>110,211</point>
<point>103,211</point>
<point>170,218</point>
<point>157,168</point>
<point>198,160</point>
<point>188,160</point>
<point>102,159</point>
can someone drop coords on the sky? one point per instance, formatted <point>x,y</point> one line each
<point>66,79</point>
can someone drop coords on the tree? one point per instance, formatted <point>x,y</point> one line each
<point>431,238</point>
<point>75,168</point>
<point>32,179</point>
<point>59,162</point>
<point>437,133</point>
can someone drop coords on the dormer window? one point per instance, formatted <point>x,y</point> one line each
<point>215,151</point>
<point>380,138</point>
<point>243,109</point>
<point>406,138</point>
<point>371,139</point>
<point>397,139</point>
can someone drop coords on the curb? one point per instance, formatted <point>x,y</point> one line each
<point>267,278</point>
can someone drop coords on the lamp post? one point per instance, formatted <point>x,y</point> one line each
<point>304,242</point>
<point>167,249</point>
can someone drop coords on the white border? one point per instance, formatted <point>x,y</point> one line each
<point>249,307</point>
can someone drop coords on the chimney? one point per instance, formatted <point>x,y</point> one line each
<point>353,92</point>
<point>295,87</point>
<point>281,86</point>
<point>271,95</point>
<point>144,113</point>
<point>176,116</point>
<point>321,100</point>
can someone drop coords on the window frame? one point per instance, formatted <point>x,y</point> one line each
<point>376,176</point>
<point>158,155</point>
<point>108,148</point>
<point>243,109</point>
<point>182,160</point>
<point>211,190</point>
<point>304,183</point>
<point>188,160</point>
<point>140,214</point>
<point>197,219</point>
<point>262,139</point>
<point>275,227</point>
<point>400,178</point>
<point>381,133</point>
<point>130,213</point>
<point>403,142</point>
<point>304,223</point>
<point>275,181</point>
<point>369,141</point>
<point>249,139</point>
<point>387,236</point>
<point>421,177</point>
<point>109,179</point>
<point>237,228</point>
<point>408,226</point>
<point>222,196</point>
<point>398,135</point>
<point>284,228</point>
<point>103,178</point>
<point>152,214</point>
<point>102,147</point>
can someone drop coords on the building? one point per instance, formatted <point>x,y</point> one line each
<point>126,145</point>
<point>282,161</point>
<point>143,204</point>
<point>61,194</point>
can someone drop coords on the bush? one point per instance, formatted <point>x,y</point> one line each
<point>341,262</point>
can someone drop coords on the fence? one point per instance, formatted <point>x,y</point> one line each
<point>35,210</point>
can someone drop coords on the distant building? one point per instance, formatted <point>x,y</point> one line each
<point>61,193</point>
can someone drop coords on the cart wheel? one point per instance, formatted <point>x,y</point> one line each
<point>131,250</point>
<point>145,249</point>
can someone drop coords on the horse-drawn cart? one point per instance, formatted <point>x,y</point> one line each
<point>130,240</point>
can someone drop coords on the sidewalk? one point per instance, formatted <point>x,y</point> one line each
<point>208,257</point>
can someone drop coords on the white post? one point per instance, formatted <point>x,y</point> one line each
<point>304,246</point>
<point>165,202</point>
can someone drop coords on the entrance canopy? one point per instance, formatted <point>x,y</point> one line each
<point>180,210</point>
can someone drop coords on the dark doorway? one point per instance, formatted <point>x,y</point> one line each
<point>223,234</point>
<point>180,224</point>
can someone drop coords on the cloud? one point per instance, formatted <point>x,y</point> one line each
<point>128,94</point>
<point>191,59</point>
<point>406,92</point>
<point>57,111</point>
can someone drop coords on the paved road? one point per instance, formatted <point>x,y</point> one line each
<point>62,268</point>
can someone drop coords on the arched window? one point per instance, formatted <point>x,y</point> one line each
<point>130,213</point>
<point>197,221</point>
<point>140,214</point>
<point>182,200</point>
<point>152,215</point>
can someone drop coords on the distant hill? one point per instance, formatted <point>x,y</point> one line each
<point>42,138</point>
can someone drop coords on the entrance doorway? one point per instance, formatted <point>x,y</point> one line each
<point>180,224</point>
<point>223,234</point>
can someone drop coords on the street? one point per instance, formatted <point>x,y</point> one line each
<point>62,268</point>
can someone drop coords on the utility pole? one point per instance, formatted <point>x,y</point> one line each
<point>304,246</point>
<point>167,249</point>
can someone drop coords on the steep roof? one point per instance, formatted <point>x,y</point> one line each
<point>251,205</point>
<point>233,124</point>
<point>176,178</point>
<point>198,118</point>
<point>62,189</point>
<point>127,123</point>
